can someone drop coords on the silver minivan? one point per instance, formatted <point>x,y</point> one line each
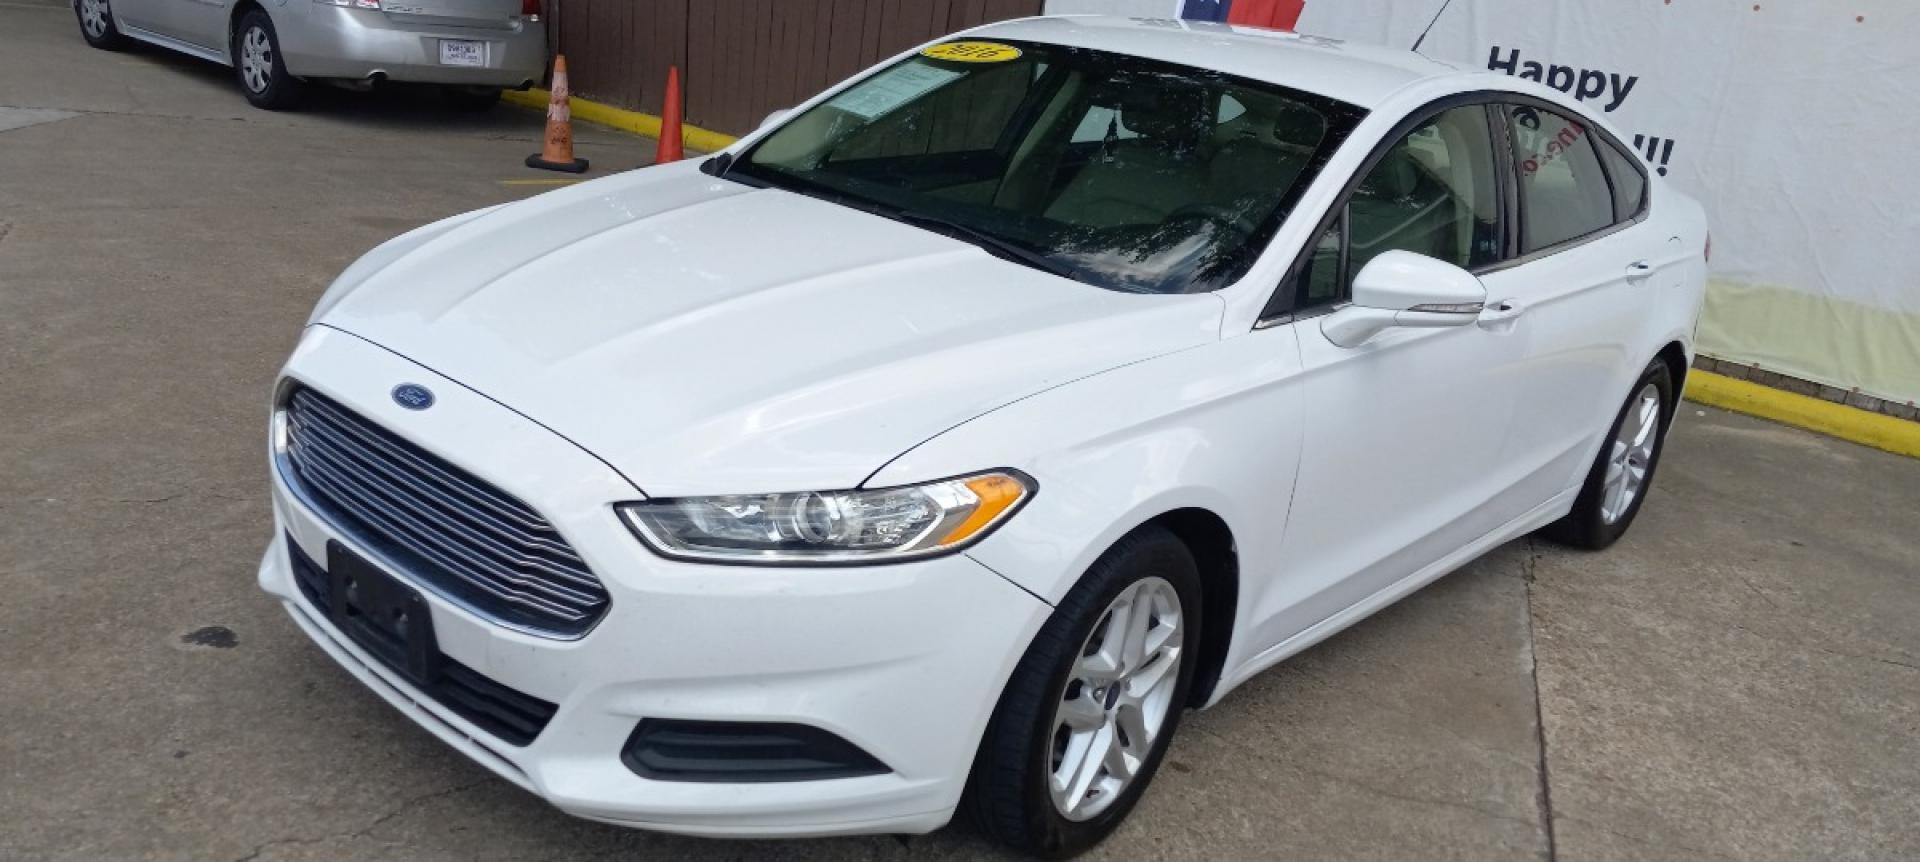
<point>473,48</point>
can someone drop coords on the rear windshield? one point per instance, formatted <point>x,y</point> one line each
<point>1113,170</point>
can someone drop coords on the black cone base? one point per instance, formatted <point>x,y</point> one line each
<point>577,166</point>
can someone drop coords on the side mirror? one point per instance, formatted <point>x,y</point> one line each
<point>1400,288</point>
<point>775,117</point>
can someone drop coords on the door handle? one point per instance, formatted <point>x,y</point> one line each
<point>1638,271</point>
<point>1499,316</point>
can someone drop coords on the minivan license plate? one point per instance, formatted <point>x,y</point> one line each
<point>462,52</point>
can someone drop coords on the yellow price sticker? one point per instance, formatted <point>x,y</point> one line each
<point>971,52</point>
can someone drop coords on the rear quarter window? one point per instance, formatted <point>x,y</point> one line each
<point>1629,180</point>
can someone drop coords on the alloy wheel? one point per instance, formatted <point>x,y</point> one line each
<point>1116,699</point>
<point>256,59</point>
<point>1631,456</point>
<point>93,17</point>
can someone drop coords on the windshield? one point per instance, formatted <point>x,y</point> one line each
<point>1113,170</point>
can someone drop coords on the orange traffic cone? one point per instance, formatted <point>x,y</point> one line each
<point>556,154</point>
<point>669,149</point>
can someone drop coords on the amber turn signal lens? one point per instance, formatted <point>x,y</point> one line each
<point>997,493</point>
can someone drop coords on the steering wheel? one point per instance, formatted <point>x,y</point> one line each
<point>1237,219</point>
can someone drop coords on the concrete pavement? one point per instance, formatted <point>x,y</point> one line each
<point>1740,677</point>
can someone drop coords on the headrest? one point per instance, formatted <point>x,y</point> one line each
<point>1170,115</point>
<point>1397,176</point>
<point>1299,125</point>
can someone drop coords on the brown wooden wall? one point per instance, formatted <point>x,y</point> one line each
<point>740,59</point>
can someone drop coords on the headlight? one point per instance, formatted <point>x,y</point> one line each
<point>818,527</point>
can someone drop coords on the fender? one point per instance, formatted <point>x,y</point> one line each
<point>1217,427</point>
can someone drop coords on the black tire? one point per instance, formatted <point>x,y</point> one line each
<point>263,78</point>
<point>104,31</point>
<point>475,99</point>
<point>1007,793</point>
<point>1587,525</point>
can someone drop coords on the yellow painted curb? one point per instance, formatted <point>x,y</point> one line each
<point>1898,436</point>
<point>621,118</point>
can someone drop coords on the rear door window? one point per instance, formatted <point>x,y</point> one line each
<point>1564,192</point>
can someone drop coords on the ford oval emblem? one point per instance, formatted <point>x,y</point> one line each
<point>413,396</point>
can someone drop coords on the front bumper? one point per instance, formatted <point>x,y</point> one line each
<point>904,661</point>
<point>332,42</point>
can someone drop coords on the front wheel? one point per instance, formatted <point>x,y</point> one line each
<point>263,74</point>
<point>1087,715</point>
<point>1621,475</point>
<point>97,25</point>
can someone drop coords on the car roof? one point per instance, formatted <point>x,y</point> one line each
<point>1351,72</point>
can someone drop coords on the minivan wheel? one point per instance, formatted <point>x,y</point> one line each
<point>1621,475</point>
<point>257,62</point>
<point>1088,713</point>
<point>97,25</point>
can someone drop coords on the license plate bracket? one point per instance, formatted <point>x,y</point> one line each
<point>385,616</point>
<point>463,52</point>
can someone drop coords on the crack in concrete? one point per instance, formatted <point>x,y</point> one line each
<point>1894,662</point>
<point>398,810</point>
<point>1753,588</point>
<point>1529,573</point>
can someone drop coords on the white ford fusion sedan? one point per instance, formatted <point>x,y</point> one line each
<point>941,442</point>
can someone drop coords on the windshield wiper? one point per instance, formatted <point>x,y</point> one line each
<point>991,244</point>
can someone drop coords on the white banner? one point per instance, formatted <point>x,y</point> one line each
<point>1791,122</point>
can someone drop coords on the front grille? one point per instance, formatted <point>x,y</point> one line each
<point>514,717</point>
<point>446,529</point>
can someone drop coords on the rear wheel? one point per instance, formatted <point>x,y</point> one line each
<point>1621,475</point>
<point>97,25</point>
<point>1090,709</point>
<point>263,74</point>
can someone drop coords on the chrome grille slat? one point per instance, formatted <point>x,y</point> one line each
<point>395,471</point>
<point>393,514</point>
<point>443,527</point>
<point>422,541</point>
<point>505,506</point>
<point>489,530</point>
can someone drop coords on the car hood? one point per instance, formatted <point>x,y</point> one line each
<point>706,337</point>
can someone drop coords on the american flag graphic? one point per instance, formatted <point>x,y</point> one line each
<point>1277,14</point>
